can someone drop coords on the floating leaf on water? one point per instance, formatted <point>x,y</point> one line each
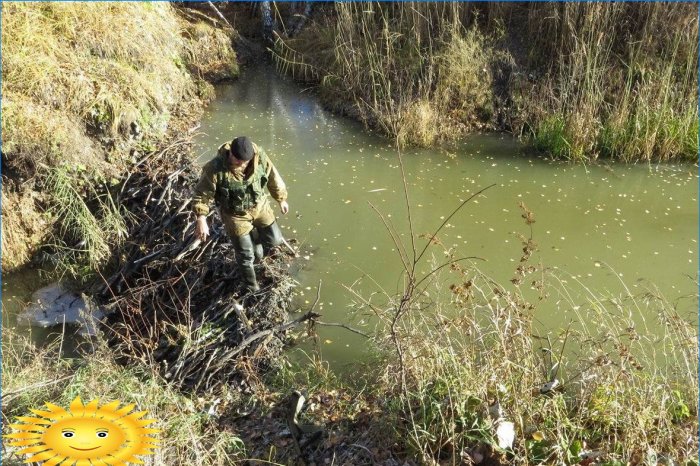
<point>328,342</point>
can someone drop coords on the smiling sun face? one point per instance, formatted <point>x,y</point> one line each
<point>83,438</point>
<point>104,435</point>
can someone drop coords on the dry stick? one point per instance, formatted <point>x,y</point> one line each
<point>191,247</point>
<point>219,14</point>
<point>203,372</point>
<point>280,328</point>
<point>436,269</point>
<point>376,283</point>
<point>8,396</point>
<point>291,249</point>
<point>403,247</point>
<point>364,300</point>
<point>369,452</point>
<point>158,154</point>
<point>240,313</point>
<point>262,346</point>
<point>408,209</point>
<point>337,324</point>
<point>198,16</point>
<point>394,238</point>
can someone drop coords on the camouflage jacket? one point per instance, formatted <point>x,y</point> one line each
<point>237,192</point>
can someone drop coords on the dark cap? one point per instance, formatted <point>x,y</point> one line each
<point>242,148</point>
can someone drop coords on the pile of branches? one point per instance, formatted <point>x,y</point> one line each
<point>178,304</point>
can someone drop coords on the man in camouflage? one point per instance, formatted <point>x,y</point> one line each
<point>236,179</point>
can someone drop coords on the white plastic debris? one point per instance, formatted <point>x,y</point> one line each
<point>505,434</point>
<point>590,455</point>
<point>55,305</point>
<point>212,411</point>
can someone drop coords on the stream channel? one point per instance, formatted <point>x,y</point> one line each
<point>604,227</point>
<point>592,222</point>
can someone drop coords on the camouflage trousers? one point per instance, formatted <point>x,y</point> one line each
<point>240,225</point>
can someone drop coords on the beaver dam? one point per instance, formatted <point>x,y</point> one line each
<point>177,303</point>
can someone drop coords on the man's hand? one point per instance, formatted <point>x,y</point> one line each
<point>201,230</point>
<point>284,207</point>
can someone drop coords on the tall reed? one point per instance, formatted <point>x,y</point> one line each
<point>579,80</point>
<point>621,84</point>
<point>617,380</point>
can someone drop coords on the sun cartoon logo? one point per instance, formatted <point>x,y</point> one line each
<point>85,435</point>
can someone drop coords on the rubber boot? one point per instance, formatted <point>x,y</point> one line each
<point>270,236</point>
<point>259,252</point>
<point>245,255</point>
<point>257,246</point>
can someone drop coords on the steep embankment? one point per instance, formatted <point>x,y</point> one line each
<point>86,87</point>
<point>578,80</point>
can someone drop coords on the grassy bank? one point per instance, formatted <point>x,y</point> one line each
<point>33,376</point>
<point>479,379</point>
<point>616,385</point>
<point>87,88</point>
<point>577,80</point>
<point>623,394</point>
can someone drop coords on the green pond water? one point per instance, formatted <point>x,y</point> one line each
<point>602,227</point>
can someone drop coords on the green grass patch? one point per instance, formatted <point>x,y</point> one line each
<point>85,235</point>
<point>551,136</point>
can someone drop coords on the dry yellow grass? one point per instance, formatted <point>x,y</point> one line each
<point>80,77</point>
<point>580,80</point>
<point>107,63</point>
<point>22,227</point>
<point>420,124</point>
<point>36,134</point>
<point>208,51</point>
